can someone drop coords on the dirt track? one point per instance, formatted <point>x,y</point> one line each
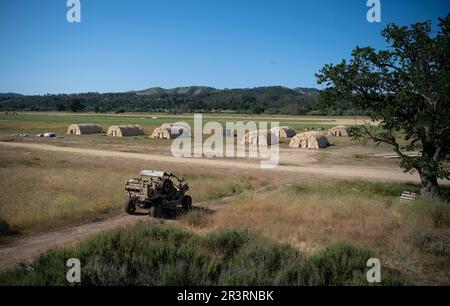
<point>329,171</point>
<point>25,249</point>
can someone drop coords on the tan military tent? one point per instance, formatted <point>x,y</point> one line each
<point>167,126</point>
<point>84,129</point>
<point>283,132</point>
<point>180,130</point>
<point>261,137</point>
<point>229,132</point>
<point>309,140</point>
<point>339,131</point>
<point>161,133</point>
<point>125,130</point>
<point>169,131</point>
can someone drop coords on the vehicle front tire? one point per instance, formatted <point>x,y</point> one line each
<point>130,207</point>
<point>187,203</point>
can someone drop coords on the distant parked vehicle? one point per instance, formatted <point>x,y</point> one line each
<point>48,135</point>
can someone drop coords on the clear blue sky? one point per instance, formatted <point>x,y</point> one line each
<point>135,44</point>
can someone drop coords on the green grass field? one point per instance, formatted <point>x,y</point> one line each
<point>59,122</point>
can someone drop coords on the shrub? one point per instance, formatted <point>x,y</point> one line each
<point>344,264</point>
<point>227,243</point>
<point>151,254</point>
<point>263,265</point>
<point>336,265</point>
<point>4,227</point>
<point>430,242</point>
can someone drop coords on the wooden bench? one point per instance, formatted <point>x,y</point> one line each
<point>407,197</point>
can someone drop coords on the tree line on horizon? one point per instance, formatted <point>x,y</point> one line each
<point>261,100</point>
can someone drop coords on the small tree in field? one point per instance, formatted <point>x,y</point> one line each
<point>406,88</point>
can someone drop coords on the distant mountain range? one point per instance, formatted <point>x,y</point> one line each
<point>9,94</point>
<point>199,90</point>
<point>202,90</point>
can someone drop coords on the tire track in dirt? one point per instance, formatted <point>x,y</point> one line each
<point>24,249</point>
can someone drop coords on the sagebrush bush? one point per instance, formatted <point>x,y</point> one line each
<point>343,264</point>
<point>430,242</point>
<point>336,264</point>
<point>159,255</point>
<point>227,243</point>
<point>263,264</point>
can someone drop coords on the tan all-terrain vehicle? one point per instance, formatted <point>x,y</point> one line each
<point>155,190</point>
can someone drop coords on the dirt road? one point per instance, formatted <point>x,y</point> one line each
<point>329,171</point>
<point>25,249</point>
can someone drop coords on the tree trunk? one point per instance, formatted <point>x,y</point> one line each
<point>430,187</point>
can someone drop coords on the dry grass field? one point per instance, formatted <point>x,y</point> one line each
<point>42,190</point>
<point>412,238</point>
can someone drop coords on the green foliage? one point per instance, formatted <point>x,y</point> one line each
<point>405,87</point>
<point>354,187</point>
<point>4,227</point>
<point>227,243</point>
<point>263,264</point>
<point>269,100</point>
<point>158,255</point>
<point>75,105</point>
<point>60,107</point>
<point>343,264</point>
<point>338,264</point>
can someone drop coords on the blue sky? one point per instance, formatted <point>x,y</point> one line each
<point>135,44</point>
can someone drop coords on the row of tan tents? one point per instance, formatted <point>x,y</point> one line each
<point>306,140</point>
<point>115,130</point>
<point>166,131</point>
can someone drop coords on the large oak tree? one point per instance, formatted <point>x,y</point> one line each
<point>406,88</point>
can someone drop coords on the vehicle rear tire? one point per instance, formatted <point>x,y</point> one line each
<point>130,207</point>
<point>156,210</point>
<point>153,212</point>
<point>187,203</point>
